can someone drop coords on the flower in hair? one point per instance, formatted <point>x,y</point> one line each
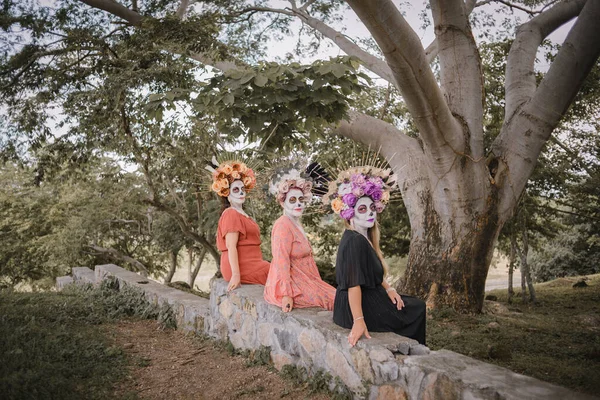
<point>228,172</point>
<point>356,182</point>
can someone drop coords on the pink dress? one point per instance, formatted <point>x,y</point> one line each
<point>293,270</point>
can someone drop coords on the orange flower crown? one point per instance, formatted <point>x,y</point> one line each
<point>228,172</point>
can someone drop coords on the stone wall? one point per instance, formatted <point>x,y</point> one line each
<point>387,366</point>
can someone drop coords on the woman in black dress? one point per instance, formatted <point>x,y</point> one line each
<point>364,301</point>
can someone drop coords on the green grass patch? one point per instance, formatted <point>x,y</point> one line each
<point>53,346</point>
<point>556,340</point>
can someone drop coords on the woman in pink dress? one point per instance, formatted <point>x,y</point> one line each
<point>294,279</point>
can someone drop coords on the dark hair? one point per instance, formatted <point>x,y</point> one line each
<point>224,203</point>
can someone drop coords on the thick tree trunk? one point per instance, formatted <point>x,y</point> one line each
<point>448,264</point>
<point>173,266</point>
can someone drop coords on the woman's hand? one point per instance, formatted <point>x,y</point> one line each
<point>359,328</point>
<point>287,304</point>
<point>234,282</point>
<point>395,298</point>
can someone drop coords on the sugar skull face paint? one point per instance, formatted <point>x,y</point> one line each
<point>294,203</point>
<point>365,213</point>
<point>237,193</point>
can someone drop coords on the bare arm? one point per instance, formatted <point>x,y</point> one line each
<point>231,240</point>
<point>359,327</point>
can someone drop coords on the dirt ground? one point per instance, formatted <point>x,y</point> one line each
<point>167,364</point>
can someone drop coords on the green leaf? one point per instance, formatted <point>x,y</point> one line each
<point>228,99</point>
<point>260,80</point>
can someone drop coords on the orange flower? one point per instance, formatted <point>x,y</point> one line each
<point>224,193</point>
<point>221,184</point>
<point>235,175</point>
<point>337,205</point>
<point>385,196</point>
<point>215,186</point>
<point>227,169</point>
<point>243,168</point>
<point>249,172</point>
<point>236,166</point>
<point>249,182</point>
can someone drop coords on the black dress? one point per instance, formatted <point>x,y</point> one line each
<point>358,264</point>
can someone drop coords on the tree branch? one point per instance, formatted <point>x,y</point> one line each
<point>415,80</point>
<point>520,82</point>
<point>461,74</point>
<point>117,255</point>
<point>379,134</point>
<point>182,9</point>
<point>116,9</point>
<point>524,134</point>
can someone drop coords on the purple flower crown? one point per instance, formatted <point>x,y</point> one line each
<point>355,183</point>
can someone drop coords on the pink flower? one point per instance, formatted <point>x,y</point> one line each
<point>347,214</point>
<point>379,206</point>
<point>350,199</point>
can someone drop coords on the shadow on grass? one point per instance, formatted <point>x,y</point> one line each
<point>556,340</point>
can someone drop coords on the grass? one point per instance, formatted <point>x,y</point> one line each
<point>556,340</point>
<point>53,346</point>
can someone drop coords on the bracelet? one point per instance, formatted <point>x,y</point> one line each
<point>357,318</point>
<point>390,289</point>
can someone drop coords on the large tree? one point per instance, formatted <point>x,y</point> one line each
<point>458,192</point>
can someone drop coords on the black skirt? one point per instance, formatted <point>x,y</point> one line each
<point>357,264</point>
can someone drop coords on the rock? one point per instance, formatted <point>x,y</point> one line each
<point>440,387</point>
<point>455,333</point>
<point>388,392</point>
<point>580,283</point>
<point>63,281</point>
<point>338,365</point>
<point>280,359</point>
<point>128,346</point>
<point>418,350</point>
<point>385,372</point>
<point>494,326</point>
<point>313,342</point>
<point>362,364</point>
<point>499,351</point>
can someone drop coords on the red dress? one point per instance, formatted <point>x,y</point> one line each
<point>294,272</point>
<point>253,269</point>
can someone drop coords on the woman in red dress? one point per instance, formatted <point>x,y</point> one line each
<point>238,235</point>
<point>294,279</point>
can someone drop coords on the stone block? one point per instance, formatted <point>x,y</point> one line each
<point>339,366</point>
<point>280,359</point>
<point>381,355</point>
<point>287,340</point>
<point>439,386</point>
<point>226,308</point>
<point>63,281</point>
<point>388,392</point>
<point>250,308</point>
<point>418,350</point>
<point>312,342</point>
<point>265,335</point>
<point>362,364</point>
<point>386,371</point>
<point>83,275</point>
